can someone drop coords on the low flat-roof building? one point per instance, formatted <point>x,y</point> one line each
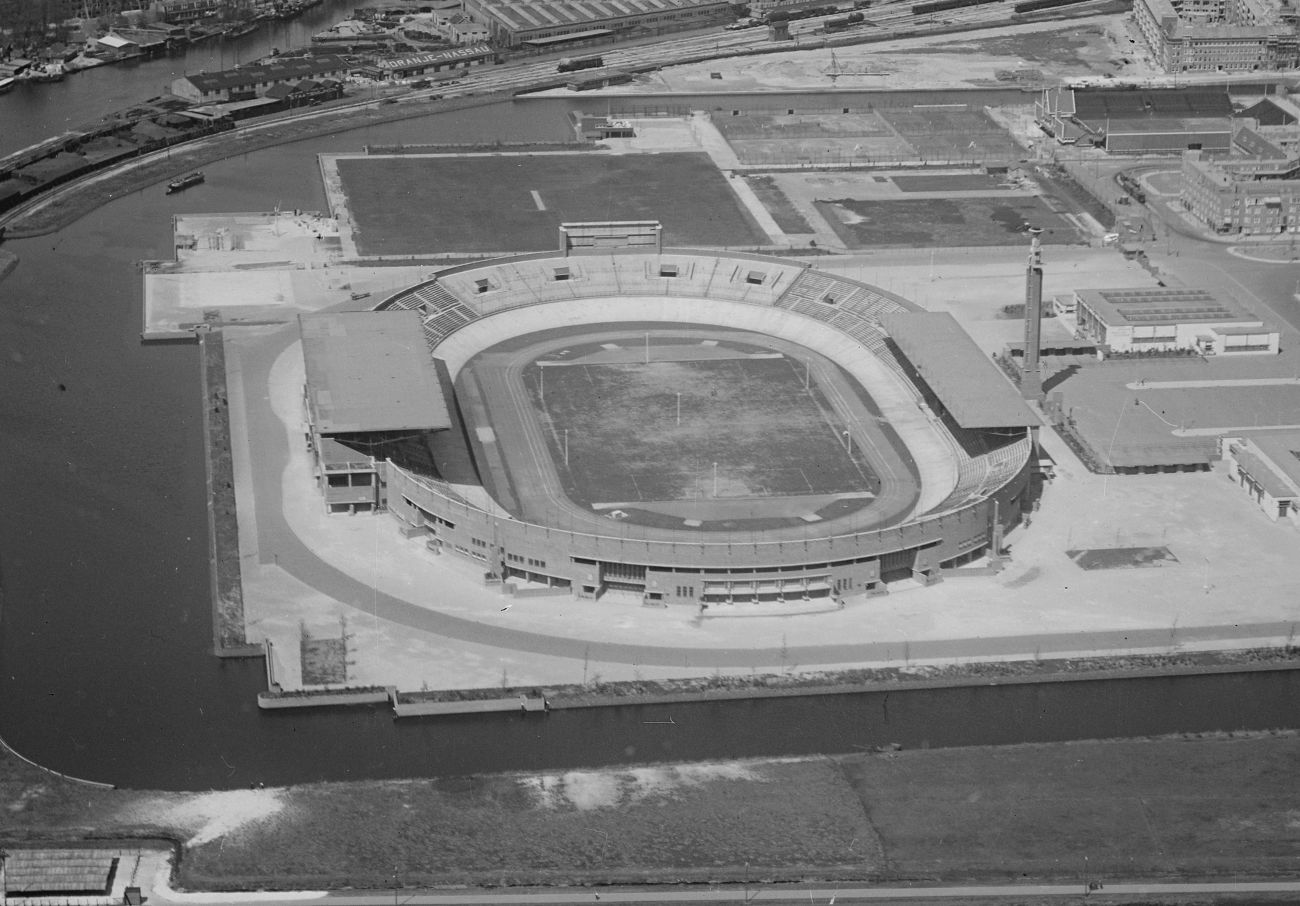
<point>1252,196</point>
<point>253,81</point>
<point>1165,319</point>
<point>371,393</point>
<point>513,22</point>
<point>1267,466</point>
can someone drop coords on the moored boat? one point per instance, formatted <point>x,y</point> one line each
<point>190,179</point>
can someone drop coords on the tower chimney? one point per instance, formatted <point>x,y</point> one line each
<point>1031,375</point>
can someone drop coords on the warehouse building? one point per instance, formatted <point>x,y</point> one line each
<point>1166,319</point>
<point>250,82</point>
<point>442,61</point>
<point>545,24</point>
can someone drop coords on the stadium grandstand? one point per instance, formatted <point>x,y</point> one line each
<point>903,396</point>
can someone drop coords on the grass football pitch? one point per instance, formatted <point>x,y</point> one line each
<point>516,202</point>
<point>747,428</point>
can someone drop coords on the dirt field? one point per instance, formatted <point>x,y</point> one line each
<point>747,429</point>
<point>943,222</point>
<point>408,205</point>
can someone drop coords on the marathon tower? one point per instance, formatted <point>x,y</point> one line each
<point>1031,375</point>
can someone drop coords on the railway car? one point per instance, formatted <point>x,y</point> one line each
<point>573,64</point>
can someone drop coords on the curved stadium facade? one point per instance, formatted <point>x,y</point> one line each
<point>958,424</point>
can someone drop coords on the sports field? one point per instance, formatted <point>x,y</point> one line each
<point>952,133</point>
<point>889,134</point>
<point>405,205</point>
<point>747,429</point>
<point>944,221</point>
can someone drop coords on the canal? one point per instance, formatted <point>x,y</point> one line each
<point>105,670</point>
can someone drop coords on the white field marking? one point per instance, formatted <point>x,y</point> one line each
<point>537,200</point>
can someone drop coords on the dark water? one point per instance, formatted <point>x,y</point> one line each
<point>32,112</point>
<point>105,669</point>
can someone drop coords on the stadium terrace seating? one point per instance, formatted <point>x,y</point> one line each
<point>979,476</point>
<point>1004,463</point>
<point>441,312</point>
<point>813,290</point>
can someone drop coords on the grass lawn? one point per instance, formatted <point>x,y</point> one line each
<point>747,421</point>
<point>1133,808</point>
<point>944,182</point>
<point>658,823</point>
<point>409,205</point>
<point>1164,808</point>
<point>785,214</point>
<point>943,222</point>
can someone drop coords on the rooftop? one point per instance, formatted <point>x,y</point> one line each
<point>1162,103</point>
<point>298,68</point>
<point>1161,305</point>
<point>966,381</point>
<point>555,13</point>
<point>370,371</point>
<point>423,59</point>
<point>1282,451</point>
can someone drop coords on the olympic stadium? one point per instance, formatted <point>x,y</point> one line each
<point>623,421</point>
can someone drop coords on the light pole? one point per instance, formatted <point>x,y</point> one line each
<point>679,410</point>
<point>566,448</point>
<point>715,479</point>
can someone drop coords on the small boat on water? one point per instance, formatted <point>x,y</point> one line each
<point>190,179</point>
<point>7,83</point>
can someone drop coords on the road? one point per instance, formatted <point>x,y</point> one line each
<point>1111,893</point>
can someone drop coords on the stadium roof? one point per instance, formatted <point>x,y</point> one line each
<point>966,381</point>
<point>370,371</point>
<point>1093,104</point>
